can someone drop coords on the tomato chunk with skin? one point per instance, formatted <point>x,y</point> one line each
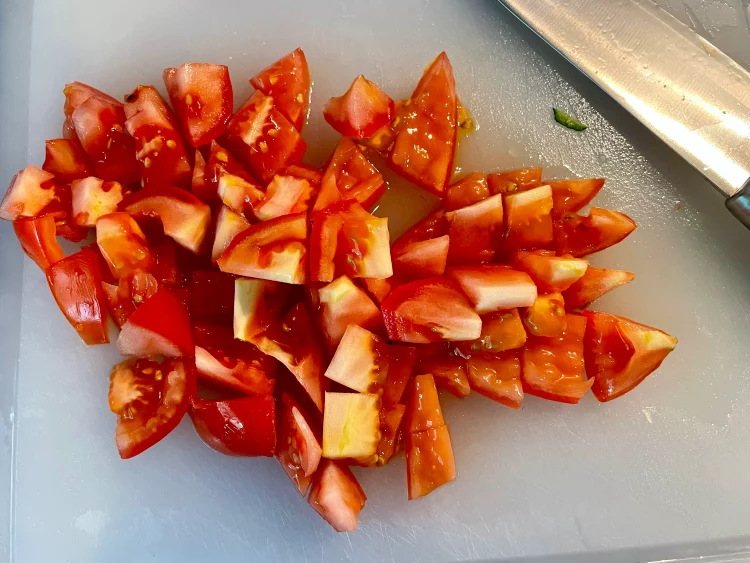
<point>467,191</point>
<point>287,81</point>
<point>76,284</point>
<point>123,245</point>
<point>546,317</point>
<point>228,225</point>
<point>149,398</point>
<point>30,191</point>
<point>342,304</point>
<point>38,240</point>
<point>238,194</point>
<point>569,196</point>
<point>621,353</point>
<point>285,195</point>
<point>401,363</point>
<point>274,250</point>
<point>473,231</point>
<point>430,310</point>
<point>529,219</point>
<point>429,461</point>
<point>66,159</point>
<point>550,273</point>
<point>360,361</point>
<point>497,377</point>
<point>92,198</point>
<point>423,259</point>
<point>353,175</point>
<point>120,306</point>
<point>426,134</point>
<point>337,496</point>
<point>241,374</point>
<point>361,111</point>
<point>390,435</point>
<point>239,427</point>
<point>298,448</point>
<point>161,325</point>
<point>257,304</point>
<point>423,407</point>
<point>502,330</point>
<point>593,284</point>
<point>449,372</point>
<point>553,368</point>
<point>202,97</point>
<point>492,288</point>
<point>580,236</point>
<point>434,225</point>
<point>512,181</point>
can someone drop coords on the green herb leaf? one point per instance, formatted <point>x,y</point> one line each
<point>570,122</point>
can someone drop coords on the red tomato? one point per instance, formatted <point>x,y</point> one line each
<point>430,310</point>
<point>161,325</point>
<point>361,111</point>
<point>212,295</point>
<point>569,196</point>
<point>30,191</point>
<point>579,236</point>
<point>298,446</point>
<point>238,194</point>
<point>273,250</point>
<point>120,306</point>
<point>149,398</point>
<point>401,363</point>
<point>467,191</point>
<point>228,225</point>
<point>257,305</point>
<point>390,434</point>
<point>241,427</point>
<point>185,218</point>
<point>473,231</point>
<point>341,303</point>
<point>501,331</point>
<point>76,285</point>
<point>435,225</point>
<point>76,93</point>
<point>305,172</point>
<point>546,317</point>
<point>166,268</point>
<point>449,372</point>
<point>620,353</point>
<point>378,290</point>
<point>423,259</point>
<point>550,273</point>
<point>353,175</point>
<point>429,461</point>
<point>123,245</point>
<point>201,94</point>
<point>497,377</point>
<point>552,368</point>
<point>423,406</point>
<point>529,219</point>
<point>493,288</point>
<point>426,133</point>
<point>337,496</point>
<point>220,163</point>
<point>37,238</point>
<point>199,181</point>
<point>513,181</point>
<point>594,283</point>
<point>262,138</point>
<point>66,159</point>
<point>288,82</point>
<point>100,126</point>
<point>285,195</point>
<point>92,198</point>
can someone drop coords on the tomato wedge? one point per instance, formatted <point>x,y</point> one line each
<point>354,177</point>
<point>552,368</point>
<point>593,284</point>
<point>546,317</point>
<point>426,134</point>
<point>92,198</point>
<point>161,325</point>
<point>298,446</point>
<point>467,191</point>
<point>497,377</point>
<point>337,496</point>
<point>288,82</point>
<point>38,241</point>
<point>569,196</point>
<point>580,236</point>
<point>430,310</point>
<point>342,304</point>
<point>529,219</point>
<point>390,433</point>
<point>228,225</point>
<point>30,191</point>
<point>423,259</point>
<point>620,353</point>
<point>429,461</point>
<point>240,427</point>
<point>149,398</point>
<point>423,407</point>
<point>550,273</point>
<point>493,288</point>
<point>202,96</point>
<point>360,361</point>
<point>449,372</point>
<point>66,159</point>
<point>123,245</point>
<point>473,231</point>
<point>512,181</point>
<point>76,284</point>
<point>401,363</point>
<point>361,111</point>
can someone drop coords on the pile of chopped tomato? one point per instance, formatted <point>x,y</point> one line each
<point>261,297</point>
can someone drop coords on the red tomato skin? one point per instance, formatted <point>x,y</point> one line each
<point>513,181</point>
<point>434,225</point>
<point>38,241</point>
<point>354,176</point>
<point>361,111</point>
<point>291,441</point>
<point>580,236</point>
<point>212,295</point>
<point>76,285</point>
<point>468,190</point>
<point>238,427</point>
<point>570,196</point>
<point>429,461</point>
<point>288,81</point>
<point>66,159</point>
<point>401,363</point>
<point>337,496</point>
<point>594,283</point>
<point>497,377</point>
<point>449,372</point>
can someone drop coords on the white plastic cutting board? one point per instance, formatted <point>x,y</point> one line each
<point>661,473</point>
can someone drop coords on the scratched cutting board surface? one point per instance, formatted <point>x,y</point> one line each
<point>660,473</point>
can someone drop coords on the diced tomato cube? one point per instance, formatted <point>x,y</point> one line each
<point>122,244</point>
<point>38,241</point>
<point>580,236</point>
<point>342,304</point>
<point>353,176</point>
<point>120,306</point>
<point>513,181</point>
<point>285,195</point>
<point>473,231</point>
<point>593,284</point>
<point>288,82</point>
<point>337,496</point>
<point>257,305</point>
<point>298,443</point>
<point>435,225</point>
<point>92,198</point>
<point>361,111</point>
<point>77,92</point>
<point>569,196</point>
<point>467,191</point>
<point>360,362</point>
<point>238,194</point>
<point>66,159</point>
<point>429,461</point>
<point>501,331</point>
<point>228,225</point>
<point>449,372</point>
<point>497,377</point>
<point>550,273</point>
<point>30,191</point>
<point>492,288</point>
<point>422,259</point>
<point>236,365</point>
<point>379,289</point>
<point>546,317</point>
<point>529,219</point>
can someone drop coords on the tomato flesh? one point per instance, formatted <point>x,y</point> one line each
<point>429,461</point>
<point>502,330</point>
<point>434,225</point>
<point>353,176</point>
<point>467,191</point>
<point>337,496</point>
<point>342,304</point>
<point>66,159</point>
<point>473,231</point>
<point>449,372</point>
<point>497,377</point>
<point>569,196</point>
<point>550,273</point>
<point>493,288</point>
<point>579,236</point>
<point>423,259</point>
<point>288,82</point>
<point>593,284</point>
<point>401,363</point>
<point>529,219</point>
<point>30,191</point>
<point>298,446</point>
<point>361,111</point>
<point>38,240</point>
<point>123,245</point>
<point>512,181</point>
<point>92,198</point>
<point>546,317</point>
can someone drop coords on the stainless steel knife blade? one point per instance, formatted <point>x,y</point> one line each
<point>693,96</point>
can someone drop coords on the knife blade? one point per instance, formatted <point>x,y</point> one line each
<point>689,93</point>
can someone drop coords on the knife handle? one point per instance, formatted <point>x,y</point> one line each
<point>739,205</point>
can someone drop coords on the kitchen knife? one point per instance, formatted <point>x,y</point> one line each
<point>693,96</point>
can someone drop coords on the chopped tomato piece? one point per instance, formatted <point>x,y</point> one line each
<point>30,191</point>
<point>378,290</point>
<point>390,426</point>
<point>149,398</point>
<point>342,304</point>
<point>66,159</point>
<point>220,162</point>
<point>492,288</point>
<point>298,446</point>
<point>288,82</point>
<point>242,427</point>
<point>401,363</point>
<point>501,331</point>
<point>337,496</point>
<point>77,92</point>
<point>594,283</point>
<point>361,111</point>
<point>120,306</point>
<point>212,294</point>
<point>546,317</point>
<point>257,304</point>
<point>430,310</point>
<point>423,259</point>
<point>435,225</point>
<point>353,176</point>
<point>579,235</point>
<point>423,408</point>
<point>529,219</point>
<point>620,353</point>
<point>201,94</point>
<point>248,377</point>
<point>76,285</point>
<point>467,191</point>
<point>262,138</point>
<point>550,273</point>
<point>513,181</point>
<point>497,377</point>
<point>552,368</point>
<point>238,194</point>
<point>285,195</point>
<point>449,372</point>
<point>351,426</point>
<point>360,362</point>
<point>429,461</point>
<point>474,230</point>
<point>228,225</point>
<point>161,325</point>
<point>426,134</point>
<point>569,196</point>
<point>199,182</point>
<point>273,250</point>
<point>123,245</point>
<point>186,219</point>
<point>38,241</point>
<point>93,198</point>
